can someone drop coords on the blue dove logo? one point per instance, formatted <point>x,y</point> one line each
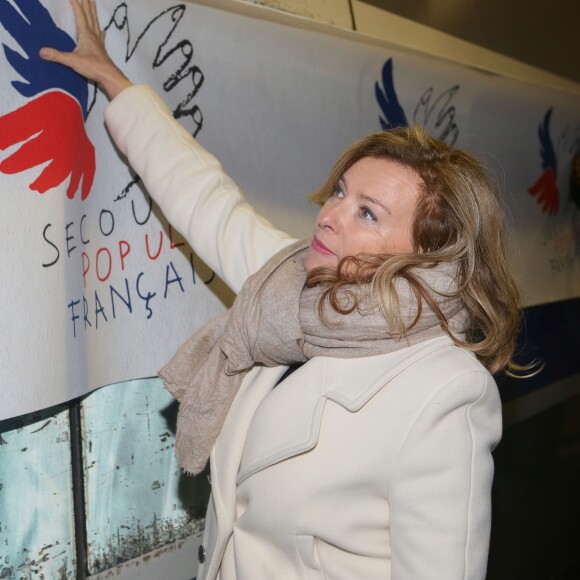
<point>435,113</point>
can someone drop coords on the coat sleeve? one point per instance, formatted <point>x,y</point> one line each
<point>191,188</point>
<point>440,491</point>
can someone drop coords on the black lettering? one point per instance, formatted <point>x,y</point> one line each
<point>86,313</point>
<point>149,211</point>
<point>44,235</point>
<point>168,280</point>
<point>111,225</point>
<point>126,302</point>
<point>85,242</point>
<point>74,317</point>
<point>99,310</point>
<point>68,239</point>
<point>146,297</point>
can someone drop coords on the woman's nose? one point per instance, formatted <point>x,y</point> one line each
<point>329,218</point>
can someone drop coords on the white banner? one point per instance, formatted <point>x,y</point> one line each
<point>97,288</point>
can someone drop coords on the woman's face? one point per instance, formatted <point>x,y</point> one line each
<point>371,212</point>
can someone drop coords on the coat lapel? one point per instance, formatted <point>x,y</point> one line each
<point>227,452</point>
<point>353,386</point>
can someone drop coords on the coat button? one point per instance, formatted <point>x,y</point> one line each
<point>201,554</point>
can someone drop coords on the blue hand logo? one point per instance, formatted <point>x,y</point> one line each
<point>32,30</point>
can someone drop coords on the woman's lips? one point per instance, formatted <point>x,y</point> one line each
<point>319,247</point>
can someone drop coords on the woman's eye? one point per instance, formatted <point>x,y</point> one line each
<point>338,192</point>
<point>367,214</point>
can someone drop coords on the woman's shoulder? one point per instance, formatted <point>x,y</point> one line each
<point>437,374</point>
<point>454,370</point>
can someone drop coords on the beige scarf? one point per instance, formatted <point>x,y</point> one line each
<point>274,321</point>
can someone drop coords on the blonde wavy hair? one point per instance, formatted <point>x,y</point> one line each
<point>459,218</point>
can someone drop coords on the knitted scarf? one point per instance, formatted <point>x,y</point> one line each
<point>275,321</point>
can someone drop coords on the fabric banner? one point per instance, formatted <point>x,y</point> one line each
<point>97,288</point>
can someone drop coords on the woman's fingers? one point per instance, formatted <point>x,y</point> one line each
<point>90,49</point>
<point>70,59</point>
<point>90,58</point>
<point>87,20</point>
<point>80,17</point>
<point>53,55</point>
<point>90,11</point>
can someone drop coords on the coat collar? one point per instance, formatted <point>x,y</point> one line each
<point>291,415</point>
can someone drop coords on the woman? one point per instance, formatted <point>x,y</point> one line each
<point>373,459</point>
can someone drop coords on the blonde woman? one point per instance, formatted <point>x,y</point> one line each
<point>373,459</point>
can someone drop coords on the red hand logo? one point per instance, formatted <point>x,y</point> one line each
<point>546,189</point>
<point>51,129</point>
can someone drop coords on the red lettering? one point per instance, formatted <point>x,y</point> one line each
<point>99,253</point>
<point>86,267</point>
<point>158,249</point>
<point>124,249</point>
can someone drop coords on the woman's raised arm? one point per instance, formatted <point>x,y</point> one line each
<point>192,190</point>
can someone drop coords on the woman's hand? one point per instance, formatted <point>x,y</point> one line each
<point>90,58</point>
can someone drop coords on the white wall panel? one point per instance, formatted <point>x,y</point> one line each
<point>331,11</point>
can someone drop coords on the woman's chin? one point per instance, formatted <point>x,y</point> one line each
<point>314,259</point>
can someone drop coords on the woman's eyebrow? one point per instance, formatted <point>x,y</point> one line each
<point>375,201</point>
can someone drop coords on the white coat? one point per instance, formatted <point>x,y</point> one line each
<point>359,469</point>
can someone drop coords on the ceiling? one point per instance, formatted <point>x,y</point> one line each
<point>543,34</point>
